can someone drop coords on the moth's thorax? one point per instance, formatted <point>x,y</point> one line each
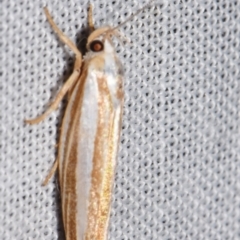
<point>105,61</point>
<point>106,67</point>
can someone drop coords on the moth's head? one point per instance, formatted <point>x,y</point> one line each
<point>100,40</point>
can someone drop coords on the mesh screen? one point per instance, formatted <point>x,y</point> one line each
<point>178,168</point>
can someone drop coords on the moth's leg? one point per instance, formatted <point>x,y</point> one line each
<point>50,174</point>
<point>66,40</point>
<point>52,171</point>
<point>90,17</point>
<point>71,80</point>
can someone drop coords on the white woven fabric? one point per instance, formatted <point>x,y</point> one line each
<point>178,174</point>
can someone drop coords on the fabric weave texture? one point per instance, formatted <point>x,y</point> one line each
<point>178,173</point>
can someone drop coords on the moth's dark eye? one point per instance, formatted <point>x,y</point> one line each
<point>96,46</point>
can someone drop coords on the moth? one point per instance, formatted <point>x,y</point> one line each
<point>90,133</point>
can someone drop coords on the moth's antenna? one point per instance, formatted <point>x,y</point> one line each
<point>114,29</point>
<point>90,17</point>
<point>133,15</point>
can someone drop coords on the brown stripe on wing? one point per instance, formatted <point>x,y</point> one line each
<point>109,172</point>
<point>99,159</point>
<point>107,183</point>
<point>68,175</point>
